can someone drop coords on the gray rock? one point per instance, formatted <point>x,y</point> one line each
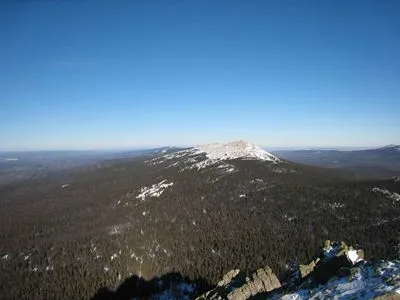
<point>235,286</point>
<point>228,277</point>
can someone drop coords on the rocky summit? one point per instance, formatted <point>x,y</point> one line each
<point>236,149</point>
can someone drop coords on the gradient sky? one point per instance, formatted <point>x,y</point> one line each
<point>112,74</point>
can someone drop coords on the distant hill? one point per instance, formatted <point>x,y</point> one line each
<point>34,165</point>
<point>372,163</point>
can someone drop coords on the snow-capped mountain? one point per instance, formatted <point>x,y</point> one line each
<point>206,155</point>
<point>234,150</point>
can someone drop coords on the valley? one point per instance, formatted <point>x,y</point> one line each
<point>376,163</point>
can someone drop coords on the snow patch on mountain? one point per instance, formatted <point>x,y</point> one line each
<point>227,168</point>
<point>203,156</point>
<point>118,228</point>
<point>153,191</point>
<point>387,194</point>
<point>233,150</point>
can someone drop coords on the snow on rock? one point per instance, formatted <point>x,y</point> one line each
<point>118,229</point>
<point>368,280</point>
<point>353,256</point>
<point>333,249</point>
<point>279,170</point>
<point>170,156</point>
<point>227,168</point>
<point>389,195</point>
<point>288,217</point>
<point>201,164</point>
<point>233,150</point>
<point>203,156</point>
<point>94,251</point>
<point>162,150</point>
<point>336,205</point>
<point>50,268</point>
<point>154,191</point>
<point>257,181</point>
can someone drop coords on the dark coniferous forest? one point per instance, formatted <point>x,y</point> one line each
<point>66,238</point>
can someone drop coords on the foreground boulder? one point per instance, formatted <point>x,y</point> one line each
<point>335,259</point>
<point>236,286</point>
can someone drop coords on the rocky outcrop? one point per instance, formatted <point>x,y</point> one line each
<point>388,296</point>
<point>335,259</point>
<point>337,272</point>
<point>236,286</point>
<point>305,270</point>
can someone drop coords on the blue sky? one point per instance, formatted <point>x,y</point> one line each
<point>120,74</point>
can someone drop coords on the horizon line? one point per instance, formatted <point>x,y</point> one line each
<point>130,148</point>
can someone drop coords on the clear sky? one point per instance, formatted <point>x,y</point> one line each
<point>111,74</point>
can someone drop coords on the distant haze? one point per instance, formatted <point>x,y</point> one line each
<point>139,74</point>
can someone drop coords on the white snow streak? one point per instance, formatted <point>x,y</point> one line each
<point>153,191</point>
<point>392,196</point>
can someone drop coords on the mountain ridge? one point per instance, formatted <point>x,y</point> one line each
<point>381,163</point>
<point>235,149</point>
